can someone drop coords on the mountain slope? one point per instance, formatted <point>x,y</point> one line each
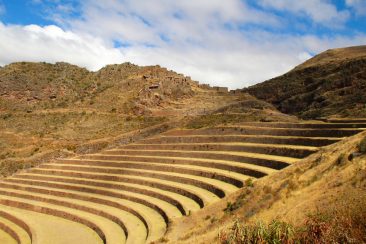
<point>321,198</point>
<point>332,83</point>
<point>48,110</point>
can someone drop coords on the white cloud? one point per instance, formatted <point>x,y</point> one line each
<point>141,21</point>
<point>322,12</point>
<point>359,6</point>
<point>303,56</point>
<point>52,44</point>
<point>206,39</point>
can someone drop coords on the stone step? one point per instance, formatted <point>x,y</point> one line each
<point>121,222</point>
<point>16,232</point>
<point>310,125</point>
<point>46,228</point>
<point>271,149</point>
<point>255,130</point>
<point>182,203</point>
<point>7,235</point>
<point>270,161</point>
<point>216,187</point>
<point>21,229</point>
<point>108,231</point>
<point>201,196</point>
<point>348,121</point>
<point>260,139</point>
<point>230,177</point>
<point>152,219</point>
<point>251,170</point>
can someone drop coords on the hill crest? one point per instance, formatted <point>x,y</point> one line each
<point>332,83</point>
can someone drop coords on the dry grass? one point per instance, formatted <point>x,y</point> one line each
<point>330,84</point>
<point>344,223</point>
<point>322,197</point>
<point>26,137</point>
<point>275,232</point>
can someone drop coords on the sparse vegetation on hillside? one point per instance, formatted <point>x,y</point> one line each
<point>362,146</point>
<point>258,174</point>
<point>330,84</point>
<point>247,109</point>
<point>318,198</point>
<point>52,109</point>
<point>29,87</point>
<point>342,224</point>
<point>23,136</point>
<point>275,232</point>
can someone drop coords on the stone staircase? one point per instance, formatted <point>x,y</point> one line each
<point>132,193</point>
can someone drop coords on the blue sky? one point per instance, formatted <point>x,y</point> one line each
<point>232,43</point>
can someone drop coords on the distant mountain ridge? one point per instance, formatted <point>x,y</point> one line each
<point>26,86</point>
<point>332,83</point>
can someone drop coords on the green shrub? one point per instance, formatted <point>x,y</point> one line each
<point>249,182</point>
<point>362,146</point>
<point>230,207</point>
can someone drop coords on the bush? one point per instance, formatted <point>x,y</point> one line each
<point>344,223</point>
<point>275,232</point>
<point>249,182</point>
<point>341,159</point>
<point>230,207</point>
<point>362,146</point>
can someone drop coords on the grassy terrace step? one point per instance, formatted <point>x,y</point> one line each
<point>311,125</point>
<point>130,194</point>
<point>144,213</point>
<point>214,186</point>
<point>241,168</point>
<point>21,229</point>
<point>226,176</point>
<point>151,218</point>
<point>109,197</point>
<point>15,231</point>
<point>201,196</point>
<point>164,208</point>
<point>7,235</point>
<point>46,228</point>
<point>270,161</point>
<point>263,139</point>
<point>182,203</point>
<point>347,121</point>
<point>251,130</point>
<point>272,149</point>
<point>114,223</point>
<point>108,231</point>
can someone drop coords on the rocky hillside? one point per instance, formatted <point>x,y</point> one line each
<point>332,83</point>
<point>49,110</point>
<point>125,88</point>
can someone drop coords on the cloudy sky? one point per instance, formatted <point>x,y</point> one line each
<point>233,43</point>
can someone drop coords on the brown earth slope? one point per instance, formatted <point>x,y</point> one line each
<point>48,110</point>
<point>332,83</point>
<point>319,199</point>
